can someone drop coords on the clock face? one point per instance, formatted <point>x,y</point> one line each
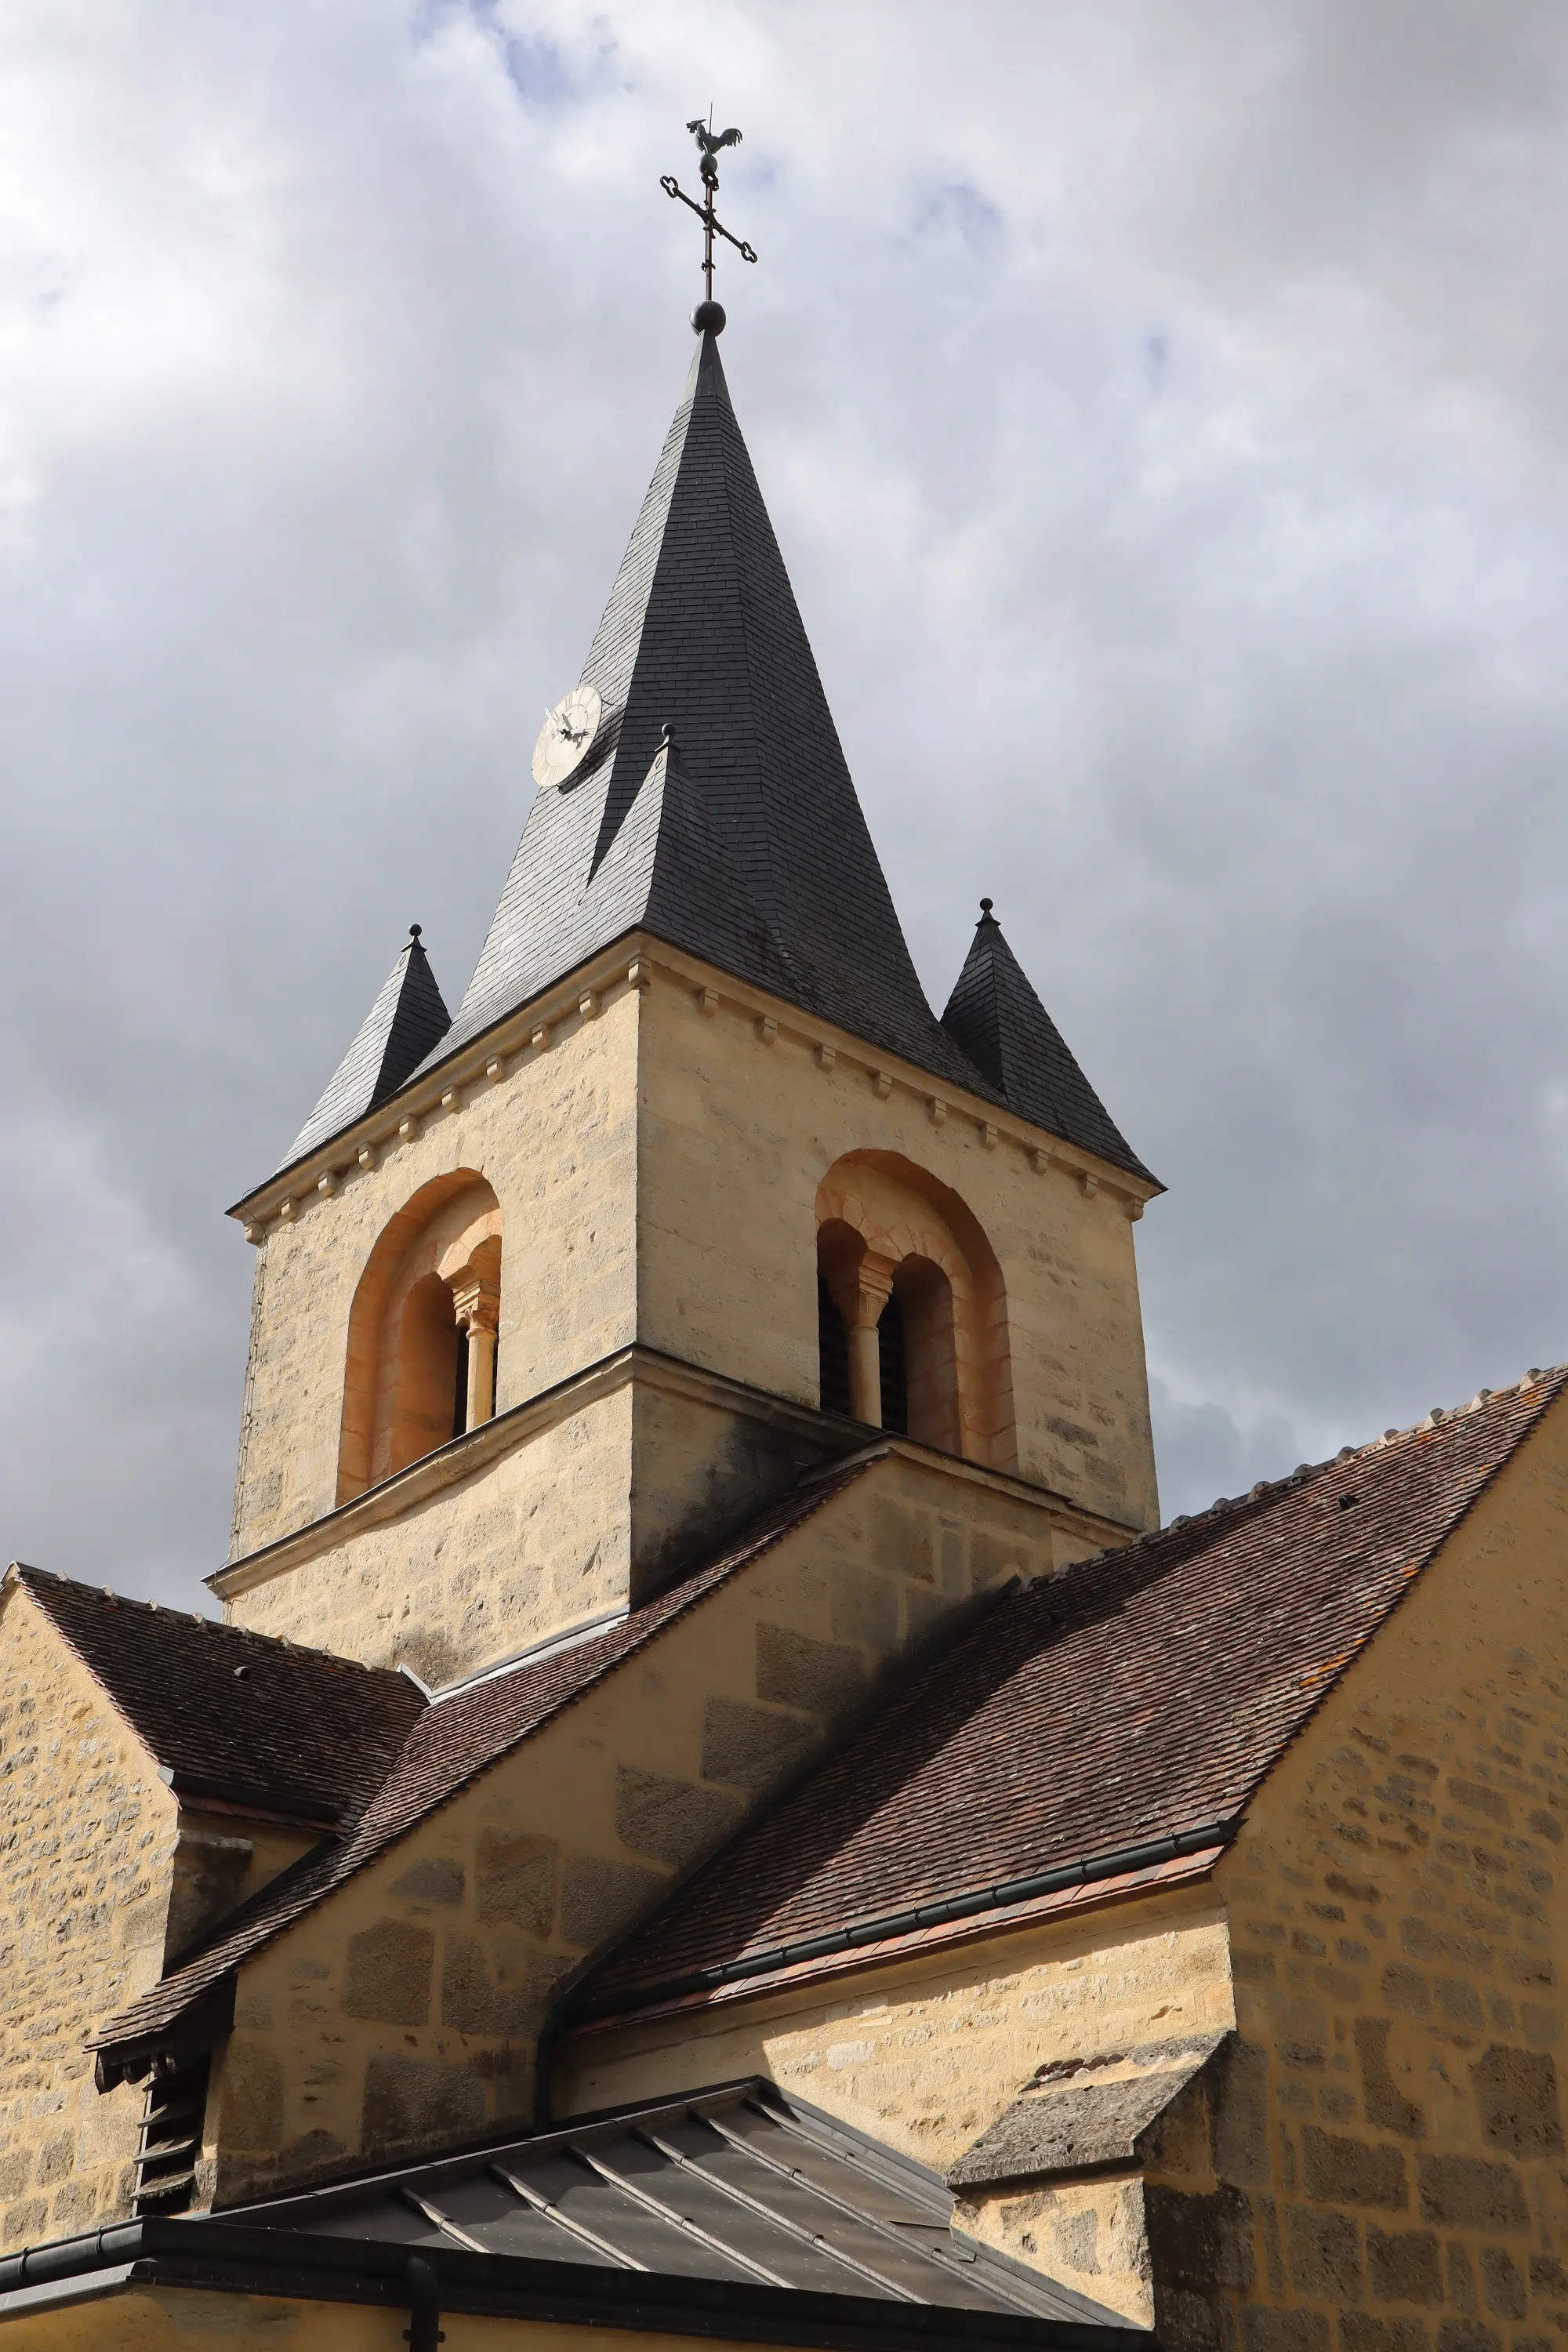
<point>570,726</point>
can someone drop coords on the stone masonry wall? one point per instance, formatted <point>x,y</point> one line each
<point>532,1542</point>
<point>1385,2170</point>
<point>656,1172</point>
<point>596,1508</point>
<point>925,2053</point>
<point>557,1141</point>
<point>403,2012</point>
<point>87,1842</point>
<point>737,1127</point>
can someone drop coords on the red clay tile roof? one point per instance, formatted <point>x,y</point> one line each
<point>236,1716</point>
<point>1142,1693</point>
<point>449,1745</point>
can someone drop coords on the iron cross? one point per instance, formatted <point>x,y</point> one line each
<point>709,142</point>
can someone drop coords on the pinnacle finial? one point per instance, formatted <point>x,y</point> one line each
<point>985,906</point>
<point>414,931</point>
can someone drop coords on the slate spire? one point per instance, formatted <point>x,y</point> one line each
<point>668,860</point>
<point>994,1015</point>
<point>407,1020</point>
<point>702,630</point>
<point>714,808</point>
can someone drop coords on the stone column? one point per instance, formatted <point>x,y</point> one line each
<point>861,1298</point>
<point>478,1308</point>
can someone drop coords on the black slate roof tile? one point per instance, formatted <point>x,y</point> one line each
<point>761,865</point>
<point>996,1016</point>
<point>407,1020</point>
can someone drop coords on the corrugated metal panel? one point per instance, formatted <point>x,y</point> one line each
<point>737,2183</point>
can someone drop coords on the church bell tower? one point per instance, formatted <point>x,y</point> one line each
<point>694,1193</point>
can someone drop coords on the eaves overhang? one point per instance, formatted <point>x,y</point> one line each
<point>209,2257</point>
<point>1135,1869</point>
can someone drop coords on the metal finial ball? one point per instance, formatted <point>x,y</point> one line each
<point>986,905</point>
<point>709,319</point>
<point>414,929</point>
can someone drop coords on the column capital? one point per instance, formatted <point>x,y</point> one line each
<point>475,1302</point>
<point>861,1292</point>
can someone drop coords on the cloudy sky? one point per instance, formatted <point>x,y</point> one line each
<point>1162,411</point>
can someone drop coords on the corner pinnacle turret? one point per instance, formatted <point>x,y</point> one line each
<point>996,1016</point>
<point>407,1020</point>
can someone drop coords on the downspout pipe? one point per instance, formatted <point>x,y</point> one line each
<point>424,2330</point>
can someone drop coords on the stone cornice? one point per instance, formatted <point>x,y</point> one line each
<point>630,966</point>
<point>464,1457</point>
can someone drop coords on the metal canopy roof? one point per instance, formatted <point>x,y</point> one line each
<point>738,2183</point>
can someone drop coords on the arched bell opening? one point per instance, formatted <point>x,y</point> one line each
<point>921,1302</point>
<point>426,1390</point>
<point>421,1358</point>
<point>911,1312</point>
<point>832,1352</point>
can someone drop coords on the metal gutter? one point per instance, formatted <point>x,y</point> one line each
<point>216,2257</point>
<point>882,1929</point>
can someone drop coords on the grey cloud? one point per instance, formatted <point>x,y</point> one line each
<point>338,349</point>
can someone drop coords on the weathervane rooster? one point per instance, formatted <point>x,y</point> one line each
<point>709,142</point>
<point>709,316</point>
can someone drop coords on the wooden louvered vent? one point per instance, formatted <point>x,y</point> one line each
<point>171,2124</point>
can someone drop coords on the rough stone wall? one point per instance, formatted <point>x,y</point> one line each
<point>1385,2170</point>
<point>594,1509</point>
<point>402,2012</point>
<point>86,1859</point>
<point>656,1172</point>
<point>220,1861</point>
<point>557,1141</point>
<point>1091,2233</point>
<point>534,1541</point>
<point>736,1133</point>
<point>705,1464</point>
<point>925,2054</point>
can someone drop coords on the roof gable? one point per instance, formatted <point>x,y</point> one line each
<point>1140,1696</point>
<point>236,1715</point>
<point>448,1745</point>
